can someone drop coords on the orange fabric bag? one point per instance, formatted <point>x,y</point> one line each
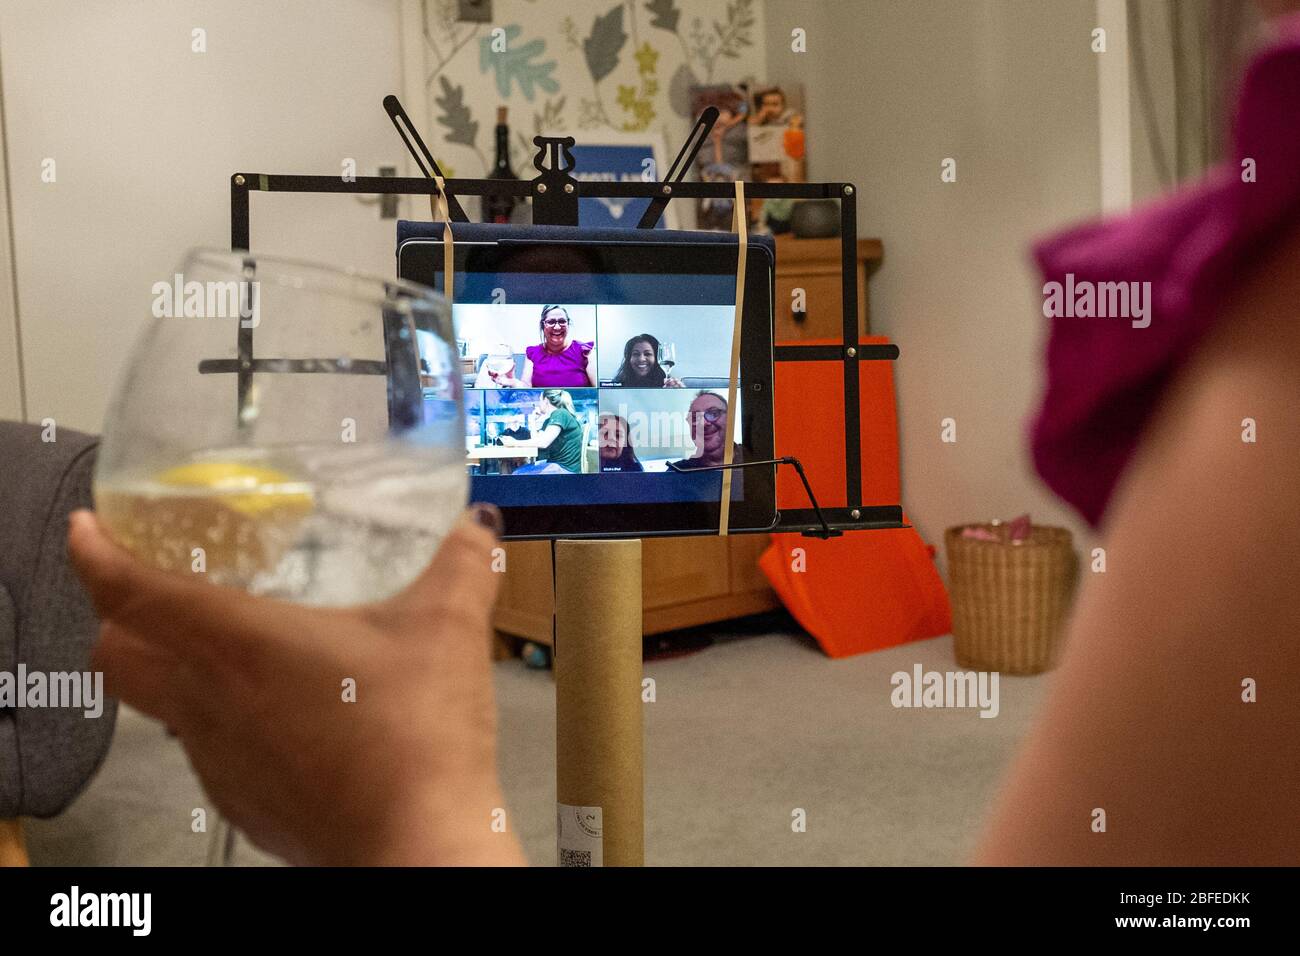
<point>868,589</point>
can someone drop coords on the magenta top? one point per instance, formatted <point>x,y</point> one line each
<point>1105,375</point>
<point>567,369</point>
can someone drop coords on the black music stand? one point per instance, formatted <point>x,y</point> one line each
<point>599,707</point>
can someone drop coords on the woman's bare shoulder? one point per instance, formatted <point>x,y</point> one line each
<point>1173,707</point>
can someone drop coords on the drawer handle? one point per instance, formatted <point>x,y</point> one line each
<point>800,316</point>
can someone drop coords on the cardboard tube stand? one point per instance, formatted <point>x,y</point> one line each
<point>598,724</point>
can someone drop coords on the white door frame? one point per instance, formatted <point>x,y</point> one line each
<point>12,388</point>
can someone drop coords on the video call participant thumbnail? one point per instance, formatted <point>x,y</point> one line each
<point>616,451</point>
<point>641,368</point>
<point>664,346</point>
<point>707,420</point>
<point>560,361</point>
<point>557,436</point>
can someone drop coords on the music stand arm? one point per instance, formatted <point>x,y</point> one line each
<point>826,530</point>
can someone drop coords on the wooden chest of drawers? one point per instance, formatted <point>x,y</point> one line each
<point>813,265</point>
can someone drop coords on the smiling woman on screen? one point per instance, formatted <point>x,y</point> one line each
<point>641,368</point>
<point>559,362</point>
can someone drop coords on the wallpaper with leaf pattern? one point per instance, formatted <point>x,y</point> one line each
<point>577,67</point>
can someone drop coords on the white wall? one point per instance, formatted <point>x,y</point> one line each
<point>145,134</point>
<point>1009,89</point>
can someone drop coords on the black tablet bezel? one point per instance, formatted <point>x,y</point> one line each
<point>421,260</point>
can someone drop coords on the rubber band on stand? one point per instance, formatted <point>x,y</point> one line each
<point>438,206</point>
<point>740,217</point>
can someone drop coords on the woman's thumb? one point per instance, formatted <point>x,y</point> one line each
<point>108,572</point>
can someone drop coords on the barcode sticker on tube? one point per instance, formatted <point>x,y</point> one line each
<point>579,832</point>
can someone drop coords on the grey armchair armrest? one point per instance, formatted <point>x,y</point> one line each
<point>47,754</point>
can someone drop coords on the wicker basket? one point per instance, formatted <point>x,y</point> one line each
<point>1009,599</point>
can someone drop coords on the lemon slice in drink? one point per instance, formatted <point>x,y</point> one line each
<point>229,520</point>
<point>252,490</point>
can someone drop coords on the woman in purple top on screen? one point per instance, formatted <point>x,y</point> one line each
<point>558,362</point>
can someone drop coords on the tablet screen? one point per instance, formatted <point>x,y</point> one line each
<point>596,397</point>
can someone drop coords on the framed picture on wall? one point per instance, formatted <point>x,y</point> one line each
<point>758,137</point>
<point>724,158</point>
<point>620,157</point>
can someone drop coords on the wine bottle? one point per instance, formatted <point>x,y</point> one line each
<point>499,208</point>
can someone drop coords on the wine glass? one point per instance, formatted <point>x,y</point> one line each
<point>287,429</point>
<point>500,364</point>
<point>667,357</point>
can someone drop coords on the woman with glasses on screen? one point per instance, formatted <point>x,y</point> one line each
<point>559,362</point>
<point>641,368</point>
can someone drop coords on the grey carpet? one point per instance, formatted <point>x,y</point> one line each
<point>740,735</point>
